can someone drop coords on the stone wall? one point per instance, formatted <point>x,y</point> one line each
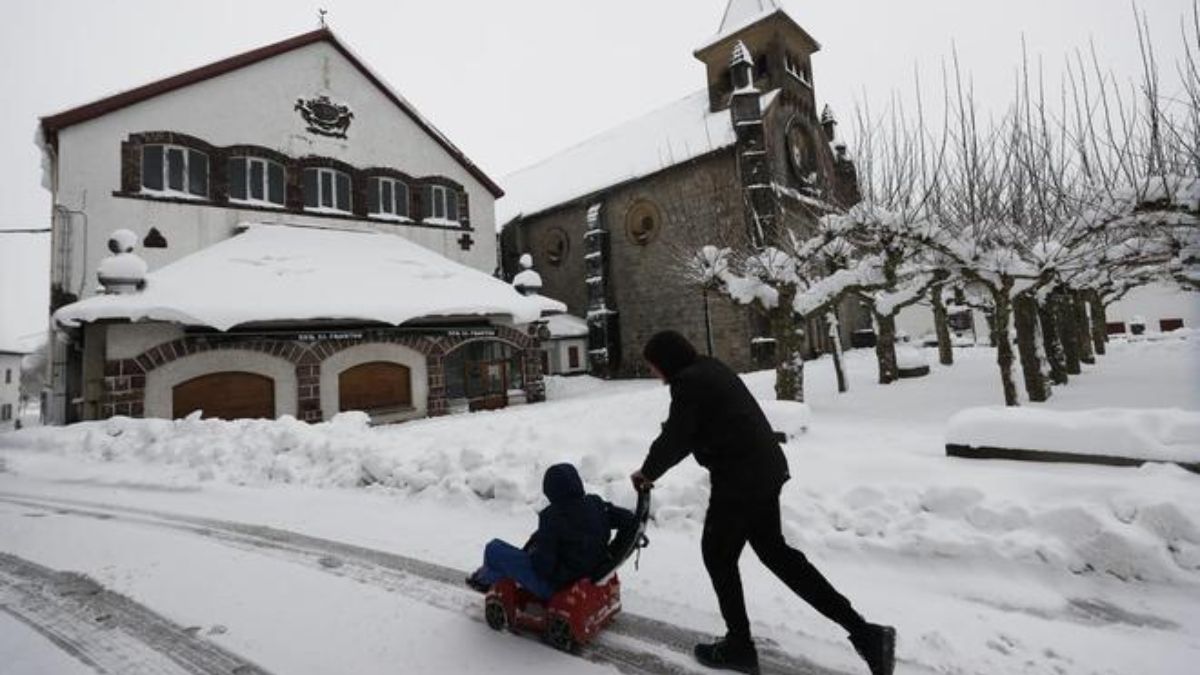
<point>694,203</point>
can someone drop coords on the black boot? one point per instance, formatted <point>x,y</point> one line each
<point>729,654</point>
<point>478,584</point>
<point>877,645</point>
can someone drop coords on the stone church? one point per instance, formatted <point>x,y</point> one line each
<point>611,221</point>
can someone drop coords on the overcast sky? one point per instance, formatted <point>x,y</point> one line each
<point>509,81</point>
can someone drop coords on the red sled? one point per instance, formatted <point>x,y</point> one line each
<point>576,614</point>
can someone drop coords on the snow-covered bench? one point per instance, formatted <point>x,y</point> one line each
<point>1111,436</point>
<point>910,362</point>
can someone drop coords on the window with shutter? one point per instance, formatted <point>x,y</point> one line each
<point>174,170</point>
<point>275,183</point>
<point>152,167</point>
<point>237,177</point>
<point>426,201</point>
<point>197,163</point>
<point>327,189</point>
<point>256,180</point>
<point>342,195</point>
<point>310,188</point>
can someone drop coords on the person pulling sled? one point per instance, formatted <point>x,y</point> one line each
<point>715,418</point>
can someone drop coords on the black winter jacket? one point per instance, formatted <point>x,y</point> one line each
<point>572,537</point>
<point>714,417</point>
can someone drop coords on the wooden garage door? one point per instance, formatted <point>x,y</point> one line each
<point>229,396</point>
<point>378,385</point>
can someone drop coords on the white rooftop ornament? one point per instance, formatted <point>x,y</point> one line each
<point>124,271</point>
<point>122,241</point>
<point>527,281</point>
<point>743,12</point>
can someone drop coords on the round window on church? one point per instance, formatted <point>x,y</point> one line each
<point>643,222</point>
<point>801,155</point>
<point>555,246</point>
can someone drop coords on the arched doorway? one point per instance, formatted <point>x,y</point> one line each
<point>227,395</point>
<point>375,387</point>
<point>482,373</point>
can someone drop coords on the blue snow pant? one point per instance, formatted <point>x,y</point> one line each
<point>502,560</point>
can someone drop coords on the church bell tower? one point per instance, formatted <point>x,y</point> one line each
<point>782,52</point>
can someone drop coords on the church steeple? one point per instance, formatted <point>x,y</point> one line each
<point>740,13</point>
<point>781,49</point>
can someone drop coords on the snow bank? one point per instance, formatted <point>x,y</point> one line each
<point>868,474</point>
<point>1170,435</point>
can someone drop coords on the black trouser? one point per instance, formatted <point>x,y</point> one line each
<point>728,526</point>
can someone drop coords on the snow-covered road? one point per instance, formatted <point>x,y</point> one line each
<point>636,644</point>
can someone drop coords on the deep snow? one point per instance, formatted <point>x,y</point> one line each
<point>985,567</point>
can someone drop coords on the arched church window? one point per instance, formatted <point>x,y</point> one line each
<point>801,153</point>
<point>556,245</point>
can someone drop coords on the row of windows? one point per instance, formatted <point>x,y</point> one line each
<point>179,171</point>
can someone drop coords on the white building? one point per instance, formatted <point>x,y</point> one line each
<point>10,387</point>
<point>1157,308</point>
<point>301,134</point>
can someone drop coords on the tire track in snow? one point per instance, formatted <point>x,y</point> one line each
<point>631,643</point>
<point>105,630</point>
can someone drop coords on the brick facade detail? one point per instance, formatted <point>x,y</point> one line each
<point>125,379</point>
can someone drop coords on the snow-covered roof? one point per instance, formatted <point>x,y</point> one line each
<point>668,136</point>
<point>527,279</point>
<point>288,273</point>
<point>548,305</point>
<point>566,326</point>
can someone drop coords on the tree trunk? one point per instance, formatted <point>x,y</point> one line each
<point>885,348</point>
<point>941,324</point>
<point>1099,320</point>
<point>1084,325</point>
<point>1026,319</point>
<point>708,330</point>
<point>1064,323</point>
<point>1055,355</point>
<point>789,345</point>
<point>1004,351</point>
<point>835,336</point>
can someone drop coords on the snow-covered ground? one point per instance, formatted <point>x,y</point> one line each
<point>983,566</point>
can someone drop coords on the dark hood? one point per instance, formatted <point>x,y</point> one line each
<point>670,352</point>
<point>562,483</point>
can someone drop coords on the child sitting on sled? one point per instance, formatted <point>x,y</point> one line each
<point>571,540</point>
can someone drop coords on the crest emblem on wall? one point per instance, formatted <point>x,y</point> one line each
<point>324,117</point>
